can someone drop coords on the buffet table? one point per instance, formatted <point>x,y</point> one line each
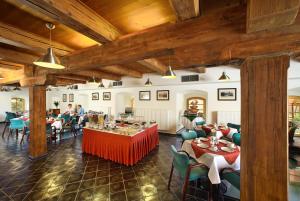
<point>121,148</point>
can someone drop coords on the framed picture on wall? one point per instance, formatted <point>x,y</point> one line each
<point>95,96</point>
<point>71,97</point>
<point>162,95</point>
<point>227,94</point>
<point>64,97</point>
<point>106,96</point>
<point>145,95</point>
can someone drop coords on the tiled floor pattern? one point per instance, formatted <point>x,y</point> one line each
<point>66,174</point>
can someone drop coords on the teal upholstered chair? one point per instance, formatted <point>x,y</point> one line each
<point>233,177</point>
<point>9,116</point>
<point>188,135</point>
<point>187,168</point>
<point>200,133</point>
<point>236,126</point>
<point>16,124</point>
<point>26,131</point>
<point>236,138</point>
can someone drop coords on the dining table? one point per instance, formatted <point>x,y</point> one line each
<point>122,147</point>
<point>216,160</point>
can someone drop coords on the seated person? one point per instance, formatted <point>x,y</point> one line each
<point>69,110</point>
<point>199,120</point>
<point>80,110</point>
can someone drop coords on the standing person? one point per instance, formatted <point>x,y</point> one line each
<point>80,110</point>
<point>69,109</point>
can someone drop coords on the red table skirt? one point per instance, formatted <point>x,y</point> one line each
<point>126,150</point>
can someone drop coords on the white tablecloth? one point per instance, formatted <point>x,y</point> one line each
<point>219,134</point>
<point>214,162</point>
<point>187,123</point>
<point>57,124</point>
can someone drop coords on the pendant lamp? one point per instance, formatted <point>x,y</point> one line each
<point>101,85</point>
<point>170,74</point>
<point>49,60</point>
<point>224,77</point>
<point>148,83</point>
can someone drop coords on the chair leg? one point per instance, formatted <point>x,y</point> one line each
<point>185,185</point>
<point>170,178</point>
<point>23,134</point>
<point>17,133</point>
<point>4,129</point>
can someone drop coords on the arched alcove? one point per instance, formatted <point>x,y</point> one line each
<point>182,98</point>
<point>124,100</point>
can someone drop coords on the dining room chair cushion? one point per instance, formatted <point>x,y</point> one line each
<point>233,178</point>
<point>16,123</point>
<point>181,163</point>
<point>200,123</point>
<point>236,138</point>
<point>236,126</point>
<point>188,135</point>
<point>9,116</point>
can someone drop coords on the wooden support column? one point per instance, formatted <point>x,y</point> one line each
<point>37,106</point>
<point>264,148</point>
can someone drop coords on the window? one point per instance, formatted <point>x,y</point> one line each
<point>17,105</point>
<point>196,105</point>
<point>294,107</point>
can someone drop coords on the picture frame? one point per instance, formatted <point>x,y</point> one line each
<point>64,98</point>
<point>144,95</point>
<point>106,96</point>
<point>163,95</point>
<point>95,96</point>
<point>71,97</point>
<point>226,94</point>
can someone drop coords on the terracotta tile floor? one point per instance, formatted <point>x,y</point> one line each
<point>67,174</point>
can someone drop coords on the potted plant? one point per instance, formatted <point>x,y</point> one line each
<point>56,103</point>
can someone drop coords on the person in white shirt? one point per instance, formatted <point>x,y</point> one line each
<point>69,110</point>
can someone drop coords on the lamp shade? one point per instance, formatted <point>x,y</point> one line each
<point>101,85</point>
<point>224,76</point>
<point>49,60</point>
<point>148,83</point>
<point>170,74</point>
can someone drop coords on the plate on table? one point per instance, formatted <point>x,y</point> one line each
<point>226,149</point>
<point>204,146</point>
<point>224,141</point>
<point>203,139</point>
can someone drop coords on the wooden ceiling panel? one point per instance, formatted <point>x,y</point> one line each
<point>24,18</point>
<point>131,15</point>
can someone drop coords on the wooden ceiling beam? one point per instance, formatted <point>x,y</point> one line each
<point>16,57</point>
<point>63,81</point>
<point>74,77</point>
<point>98,74</point>
<point>83,19</point>
<point>185,9</point>
<point>12,77</point>
<point>270,14</point>
<point>19,38</point>
<point>202,40</point>
<point>10,66</point>
<point>120,70</point>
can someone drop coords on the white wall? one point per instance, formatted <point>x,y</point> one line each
<point>166,111</point>
<point>5,104</point>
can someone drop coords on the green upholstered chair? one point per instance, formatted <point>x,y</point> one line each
<point>200,123</point>
<point>236,126</point>
<point>187,168</point>
<point>16,124</point>
<point>9,116</point>
<point>232,177</point>
<point>26,131</point>
<point>188,135</point>
<point>236,138</point>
